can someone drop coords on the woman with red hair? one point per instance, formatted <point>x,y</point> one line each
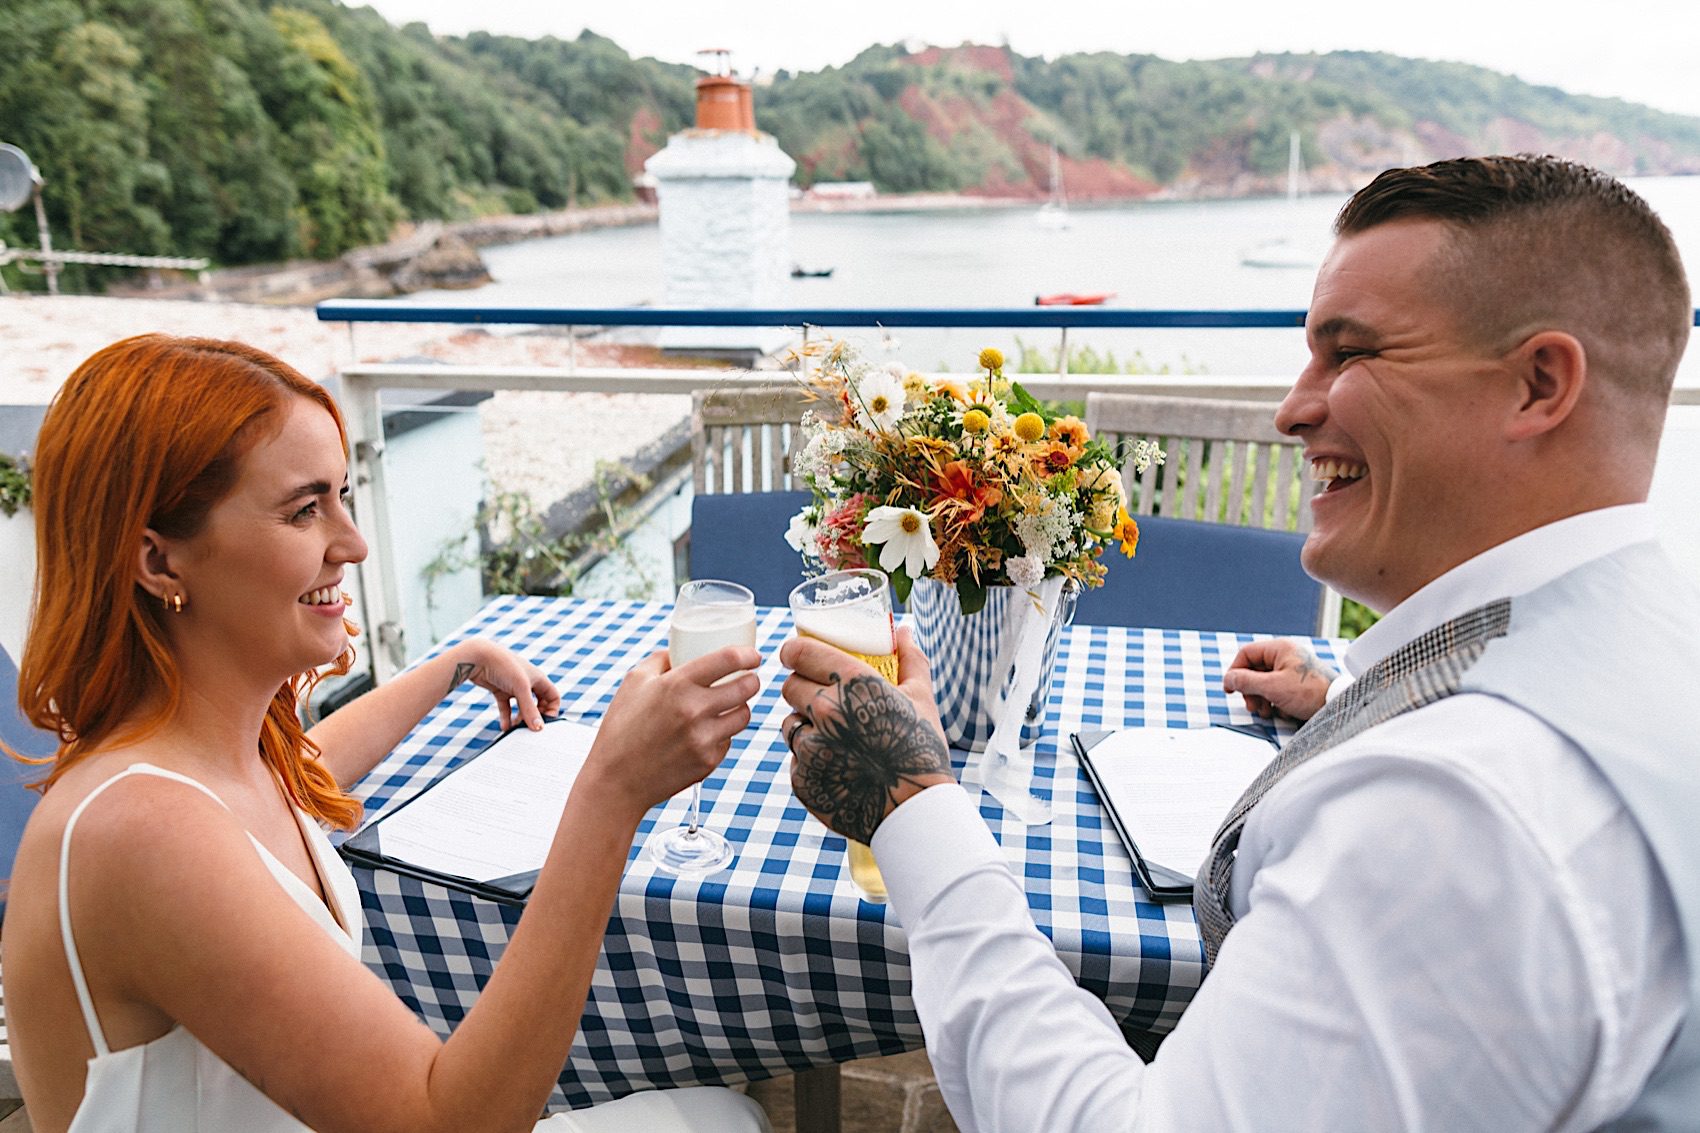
<point>182,946</point>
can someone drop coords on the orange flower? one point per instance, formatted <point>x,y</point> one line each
<point>1128,532</point>
<point>951,388</point>
<point>1051,458</point>
<point>1006,450</point>
<point>966,497</point>
<point>1071,431</point>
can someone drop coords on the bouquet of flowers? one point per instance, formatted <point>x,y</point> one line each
<point>971,483</point>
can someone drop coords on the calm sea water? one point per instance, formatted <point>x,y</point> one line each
<point>1151,255</point>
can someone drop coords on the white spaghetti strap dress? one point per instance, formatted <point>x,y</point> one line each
<point>174,1084</point>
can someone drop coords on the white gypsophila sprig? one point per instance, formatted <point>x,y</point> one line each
<point>822,455</point>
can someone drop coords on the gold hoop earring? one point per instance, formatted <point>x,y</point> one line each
<point>173,602</point>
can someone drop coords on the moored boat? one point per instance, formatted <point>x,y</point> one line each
<point>1073,299</point>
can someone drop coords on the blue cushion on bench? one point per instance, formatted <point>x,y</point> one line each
<point>1213,576</point>
<point>16,802</point>
<point>740,537</point>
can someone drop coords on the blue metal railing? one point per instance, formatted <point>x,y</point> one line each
<point>384,311</point>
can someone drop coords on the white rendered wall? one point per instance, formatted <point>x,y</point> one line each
<point>17,577</point>
<point>436,482</point>
<point>725,231</point>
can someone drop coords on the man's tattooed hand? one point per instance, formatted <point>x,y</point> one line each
<point>863,744</point>
<point>1279,675</point>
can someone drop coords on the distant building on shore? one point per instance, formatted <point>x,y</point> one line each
<point>841,191</point>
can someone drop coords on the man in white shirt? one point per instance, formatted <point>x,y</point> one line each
<point>1462,904</point>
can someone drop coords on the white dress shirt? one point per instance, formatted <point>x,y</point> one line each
<point>1448,922</point>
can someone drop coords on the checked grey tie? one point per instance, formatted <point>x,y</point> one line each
<point>1421,672</point>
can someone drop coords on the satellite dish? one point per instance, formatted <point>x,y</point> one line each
<point>18,178</point>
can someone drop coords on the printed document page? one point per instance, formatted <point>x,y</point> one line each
<point>496,815</point>
<point>1172,787</point>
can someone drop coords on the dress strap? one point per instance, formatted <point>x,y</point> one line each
<point>90,1020</point>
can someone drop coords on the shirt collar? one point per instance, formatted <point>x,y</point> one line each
<point>1515,567</point>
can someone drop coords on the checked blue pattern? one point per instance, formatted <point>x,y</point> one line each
<point>776,965</point>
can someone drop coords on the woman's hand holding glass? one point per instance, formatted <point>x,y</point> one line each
<point>709,615</point>
<point>669,728</point>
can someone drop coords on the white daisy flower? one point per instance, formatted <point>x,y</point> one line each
<point>879,400</point>
<point>907,535</point>
<point>1025,571</point>
<point>801,535</point>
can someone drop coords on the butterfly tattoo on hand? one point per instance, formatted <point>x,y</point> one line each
<point>865,743</point>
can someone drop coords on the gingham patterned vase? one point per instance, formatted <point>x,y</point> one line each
<point>973,658</point>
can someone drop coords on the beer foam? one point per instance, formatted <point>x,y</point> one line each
<point>846,589</point>
<point>864,629</point>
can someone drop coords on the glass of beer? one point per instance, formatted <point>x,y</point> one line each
<point>708,615</point>
<point>851,610</point>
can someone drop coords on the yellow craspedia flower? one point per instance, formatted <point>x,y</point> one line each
<point>991,358</point>
<point>976,421</point>
<point>1029,427</point>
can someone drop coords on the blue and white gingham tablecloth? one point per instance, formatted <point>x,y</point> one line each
<point>776,965</point>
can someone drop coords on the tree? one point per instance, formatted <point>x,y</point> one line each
<point>323,106</point>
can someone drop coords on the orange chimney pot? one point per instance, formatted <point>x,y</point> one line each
<point>746,107</point>
<point>722,103</point>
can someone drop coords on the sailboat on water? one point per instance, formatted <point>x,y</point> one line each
<point>1283,251</point>
<point>1053,214</point>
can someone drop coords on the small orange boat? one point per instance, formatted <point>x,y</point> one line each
<point>1070,299</point>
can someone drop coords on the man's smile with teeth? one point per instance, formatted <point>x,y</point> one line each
<point>323,596</point>
<point>1337,473</point>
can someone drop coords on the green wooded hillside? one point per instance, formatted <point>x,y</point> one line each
<point>261,130</point>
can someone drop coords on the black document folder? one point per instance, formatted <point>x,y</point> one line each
<point>1164,880</point>
<point>368,849</point>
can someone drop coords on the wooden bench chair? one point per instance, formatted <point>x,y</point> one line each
<point>744,493</point>
<point>1226,464</point>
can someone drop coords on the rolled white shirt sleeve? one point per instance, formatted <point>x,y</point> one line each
<point>1015,1043</point>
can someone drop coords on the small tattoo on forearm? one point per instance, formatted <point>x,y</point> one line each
<point>463,673</point>
<point>861,749</point>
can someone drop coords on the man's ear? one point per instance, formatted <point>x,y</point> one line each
<point>1551,370</point>
<point>154,571</point>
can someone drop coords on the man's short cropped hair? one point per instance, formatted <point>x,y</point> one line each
<point>1540,243</point>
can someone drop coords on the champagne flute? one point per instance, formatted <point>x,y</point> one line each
<point>851,610</point>
<point>708,615</point>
